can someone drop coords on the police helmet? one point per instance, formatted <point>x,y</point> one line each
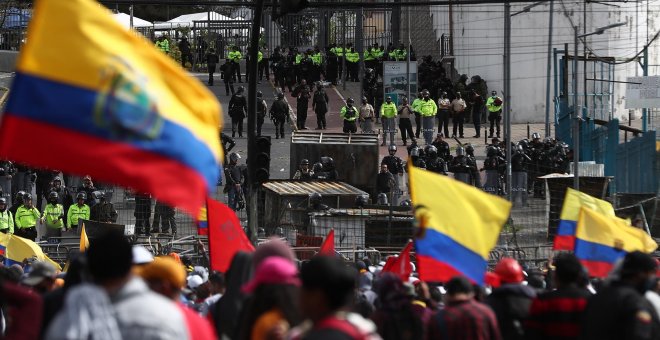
<point>304,162</point>
<point>405,203</point>
<point>19,196</point>
<point>81,196</point>
<point>361,201</point>
<point>369,71</point>
<point>431,151</point>
<point>493,93</point>
<point>414,152</point>
<point>536,135</point>
<point>425,92</point>
<point>350,101</point>
<point>491,151</point>
<point>391,148</point>
<point>469,149</point>
<point>3,200</point>
<point>260,94</point>
<point>382,199</point>
<point>318,167</point>
<point>460,151</point>
<point>98,195</point>
<point>364,99</point>
<point>327,161</point>
<point>444,93</point>
<point>444,148</point>
<point>388,98</point>
<point>315,198</point>
<point>520,148</point>
<point>240,89</point>
<point>280,95</point>
<point>234,157</point>
<point>53,195</point>
<point>27,197</point>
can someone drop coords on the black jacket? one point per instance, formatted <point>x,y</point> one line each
<point>511,303</point>
<point>237,106</point>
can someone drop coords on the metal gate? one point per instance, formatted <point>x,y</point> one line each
<point>635,166</point>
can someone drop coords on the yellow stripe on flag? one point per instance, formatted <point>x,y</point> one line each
<point>462,212</point>
<point>84,241</point>
<point>574,200</point>
<point>613,232</point>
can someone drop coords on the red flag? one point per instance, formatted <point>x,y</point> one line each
<point>226,237</point>
<point>400,265</point>
<point>328,246</point>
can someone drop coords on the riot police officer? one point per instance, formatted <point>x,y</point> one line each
<point>459,166</point>
<point>234,177</point>
<point>519,161</point>
<point>493,165</point>
<point>417,160</point>
<point>433,161</point>
<point>472,163</point>
<point>394,165</point>
<point>442,147</point>
<point>349,114</point>
<point>304,172</point>
<point>302,93</point>
<point>237,111</point>
<point>279,113</point>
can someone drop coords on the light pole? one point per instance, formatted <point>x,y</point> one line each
<point>576,114</point>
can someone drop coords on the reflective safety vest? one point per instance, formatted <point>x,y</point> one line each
<point>352,57</point>
<point>7,221</point>
<point>317,58</point>
<point>349,114</point>
<point>338,51</point>
<point>398,55</point>
<point>54,215</point>
<point>25,217</point>
<point>428,108</point>
<point>235,56</point>
<point>388,110</point>
<point>299,58</point>
<point>369,55</point>
<point>75,213</point>
<point>490,104</point>
<point>259,56</point>
<point>415,104</point>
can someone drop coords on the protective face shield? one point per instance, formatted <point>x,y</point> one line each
<point>52,197</point>
<point>536,136</point>
<point>460,151</point>
<point>469,150</point>
<point>414,152</point>
<point>382,199</point>
<point>81,197</point>
<point>432,151</point>
<point>234,157</point>
<point>315,198</point>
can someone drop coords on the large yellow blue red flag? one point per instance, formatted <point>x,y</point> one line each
<point>95,98</point>
<point>601,240</point>
<point>16,249</point>
<point>573,201</point>
<point>459,225</point>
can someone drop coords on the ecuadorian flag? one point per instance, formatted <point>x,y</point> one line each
<point>15,249</point>
<point>203,222</point>
<point>573,201</point>
<point>459,226</point>
<point>601,240</point>
<point>95,98</point>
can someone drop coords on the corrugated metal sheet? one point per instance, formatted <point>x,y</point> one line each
<point>589,169</point>
<point>304,137</point>
<point>301,188</point>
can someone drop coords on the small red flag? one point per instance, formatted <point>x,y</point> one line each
<point>226,237</point>
<point>400,265</point>
<point>328,246</point>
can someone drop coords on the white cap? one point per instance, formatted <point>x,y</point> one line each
<point>141,255</point>
<point>194,281</point>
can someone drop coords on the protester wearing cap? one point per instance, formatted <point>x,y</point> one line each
<point>41,277</point>
<point>619,310</point>
<point>272,308</point>
<point>167,277</point>
<point>511,301</point>
<point>463,317</point>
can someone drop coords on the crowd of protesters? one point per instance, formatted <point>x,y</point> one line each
<point>118,291</point>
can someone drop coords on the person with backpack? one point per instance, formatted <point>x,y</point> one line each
<point>320,106</point>
<point>262,109</point>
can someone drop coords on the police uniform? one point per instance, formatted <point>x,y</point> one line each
<point>494,113</point>
<point>388,112</point>
<point>428,109</point>
<point>77,212</point>
<point>6,222</point>
<point>279,112</point>
<point>349,115</point>
<point>26,222</point>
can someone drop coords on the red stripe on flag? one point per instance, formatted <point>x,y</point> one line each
<point>431,270</point>
<point>328,246</point>
<point>597,268</point>
<point>76,153</point>
<point>564,242</point>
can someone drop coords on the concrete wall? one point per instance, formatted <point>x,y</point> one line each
<point>479,40</point>
<point>8,61</point>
